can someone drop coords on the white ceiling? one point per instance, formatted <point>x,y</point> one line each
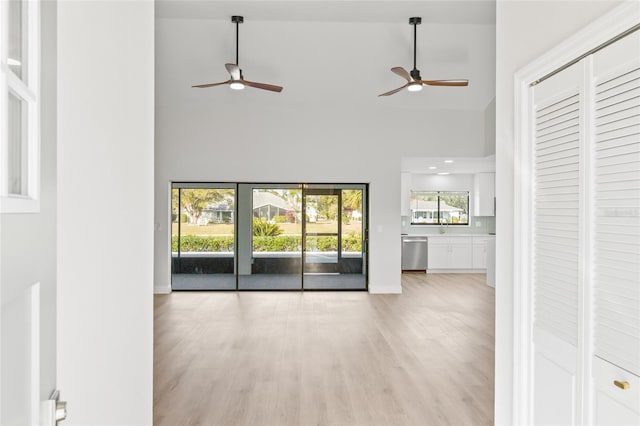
<point>431,11</point>
<point>327,53</point>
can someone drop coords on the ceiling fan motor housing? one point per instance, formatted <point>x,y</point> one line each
<point>415,74</point>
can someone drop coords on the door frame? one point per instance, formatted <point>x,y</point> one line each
<point>303,187</point>
<point>600,31</point>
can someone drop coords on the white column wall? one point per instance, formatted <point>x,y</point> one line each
<point>105,210</point>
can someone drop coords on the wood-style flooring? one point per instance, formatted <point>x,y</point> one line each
<point>424,357</point>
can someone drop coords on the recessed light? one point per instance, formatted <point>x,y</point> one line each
<point>432,167</point>
<point>443,173</point>
<point>448,161</point>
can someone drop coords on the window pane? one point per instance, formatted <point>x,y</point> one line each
<point>17,166</point>
<point>424,207</point>
<point>17,28</point>
<point>434,208</point>
<point>454,208</point>
<point>203,238</point>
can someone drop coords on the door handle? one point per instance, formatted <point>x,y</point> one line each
<point>622,385</point>
<point>53,410</point>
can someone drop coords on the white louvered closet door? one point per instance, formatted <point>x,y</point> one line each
<point>616,232</point>
<point>557,157</point>
<point>585,162</point>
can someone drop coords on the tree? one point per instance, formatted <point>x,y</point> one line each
<point>352,199</point>
<point>327,206</point>
<point>194,201</point>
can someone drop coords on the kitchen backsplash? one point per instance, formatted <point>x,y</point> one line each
<point>487,226</point>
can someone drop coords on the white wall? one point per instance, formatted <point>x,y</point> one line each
<point>28,256</point>
<point>524,31</point>
<point>300,135</point>
<point>490,128</point>
<point>105,211</point>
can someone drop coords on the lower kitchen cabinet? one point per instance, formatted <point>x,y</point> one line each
<point>450,253</point>
<point>480,252</point>
<point>458,253</point>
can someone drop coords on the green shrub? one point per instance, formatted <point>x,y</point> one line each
<point>286,243</point>
<point>184,218</point>
<point>262,228</point>
<point>278,243</point>
<point>279,219</point>
<point>352,242</point>
<point>203,243</point>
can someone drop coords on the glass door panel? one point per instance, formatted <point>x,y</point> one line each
<point>203,236</point>
<point>270,237</point>
<point>334,237</point>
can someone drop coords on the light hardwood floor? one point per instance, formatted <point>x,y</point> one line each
<point>424,357</point>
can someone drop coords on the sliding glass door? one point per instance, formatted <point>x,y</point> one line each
<point>334,237</point>
<point>269,234</point>
<point>251,236</point>
<point>203,236</point>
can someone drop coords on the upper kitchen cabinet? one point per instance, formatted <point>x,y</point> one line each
<point>484,194</point>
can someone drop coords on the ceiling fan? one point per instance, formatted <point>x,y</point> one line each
<point>237,81</point>
<point>414,81</point>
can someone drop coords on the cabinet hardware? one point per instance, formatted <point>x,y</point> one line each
<point>622,385</point>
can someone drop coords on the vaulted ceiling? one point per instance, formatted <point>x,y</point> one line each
<point>327,53</point>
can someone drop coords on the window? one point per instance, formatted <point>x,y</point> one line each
<point>19,106</point>
<point>439,207</point>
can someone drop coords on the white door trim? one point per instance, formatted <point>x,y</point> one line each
<point>600,31</point>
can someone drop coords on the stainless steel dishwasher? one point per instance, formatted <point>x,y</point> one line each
<point>414,253</point>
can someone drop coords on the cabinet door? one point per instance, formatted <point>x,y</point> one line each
<point>438,255</point>
<point>460,256</point>
<point>479,255</point>
<point>484,194</point>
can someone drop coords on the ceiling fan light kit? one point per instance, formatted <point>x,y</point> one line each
<point>237,80</point>
<point>414,80</point>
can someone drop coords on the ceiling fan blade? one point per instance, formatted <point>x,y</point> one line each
<point>445,82</point>
<point>234,71</point>
<point>402,73</point>
<point>263,86</point>
<point>391,92</point>
<point>212,84</point>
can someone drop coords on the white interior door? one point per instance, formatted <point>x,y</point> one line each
<point>557,277</point>
<point>616,233</point>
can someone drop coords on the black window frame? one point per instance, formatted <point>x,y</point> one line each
<point>438,195</point>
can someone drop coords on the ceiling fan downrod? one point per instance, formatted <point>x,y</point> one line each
<point>237,20</point>
<point>415,21</point>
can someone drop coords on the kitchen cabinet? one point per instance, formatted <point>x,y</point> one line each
<point>450,252</point>
<point>480,252</point>
<point>484,194</point>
